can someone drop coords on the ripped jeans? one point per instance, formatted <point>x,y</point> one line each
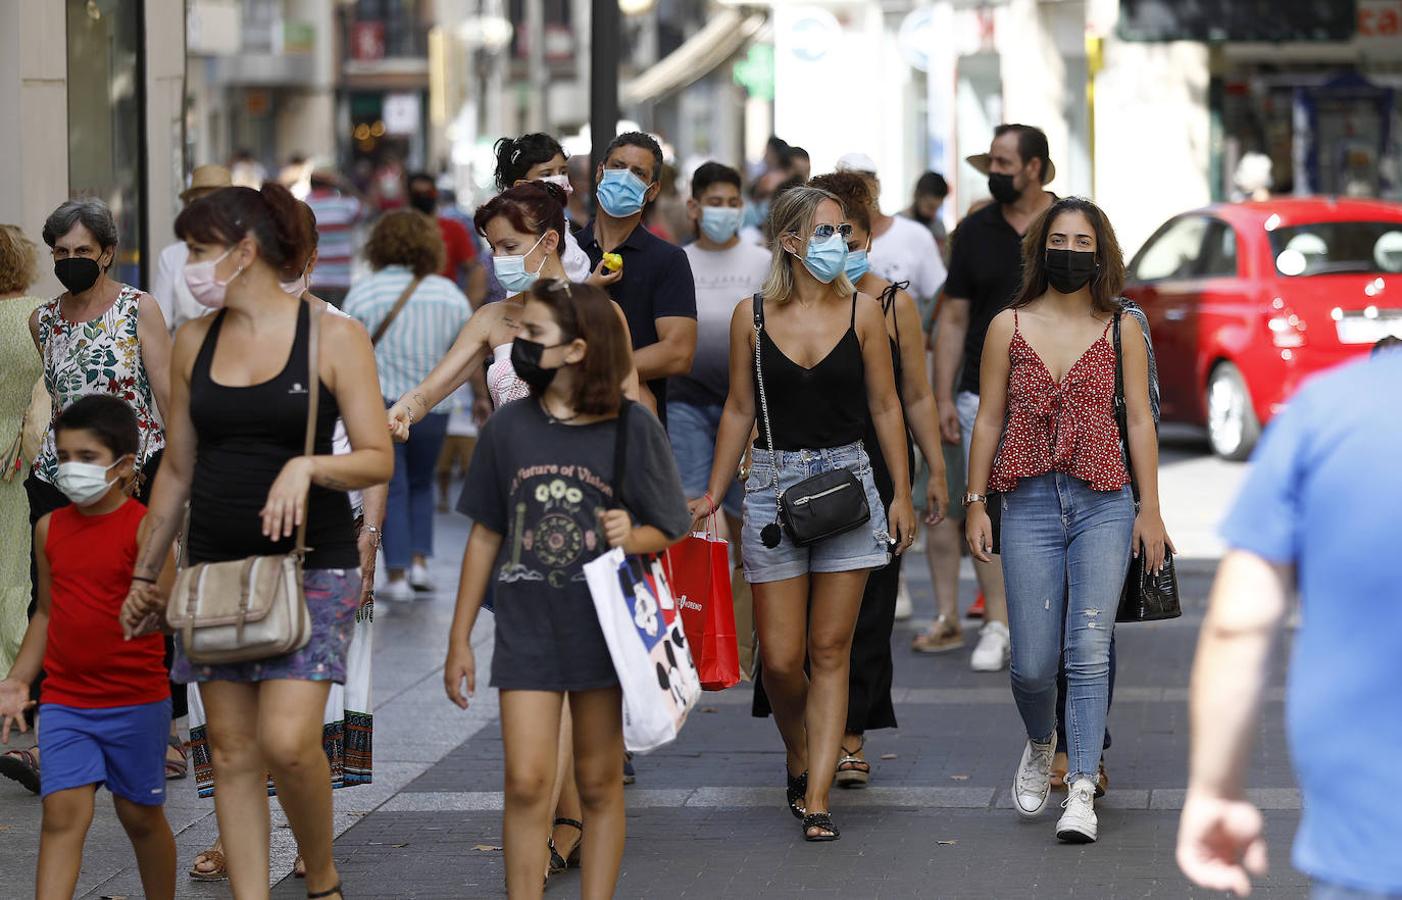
<point>1065,551</point>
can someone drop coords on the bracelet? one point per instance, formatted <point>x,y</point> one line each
<point>710,500</point>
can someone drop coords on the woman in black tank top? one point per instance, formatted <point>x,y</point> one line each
<point>827,372</point>
<point>240,385</point>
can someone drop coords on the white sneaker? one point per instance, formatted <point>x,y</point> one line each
<point>1032,783</point>
<point>993,650</point>
<point>903,607</point>
<point>1078,824</point>
<point>396,591</point>
<point>418,577</point>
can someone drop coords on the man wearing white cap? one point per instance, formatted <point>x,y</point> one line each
<point>901,250</point>
<point>172,296</point>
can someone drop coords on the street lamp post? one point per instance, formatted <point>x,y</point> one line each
<point>604,25</point>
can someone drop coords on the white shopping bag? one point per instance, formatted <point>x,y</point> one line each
<point>643,629</point>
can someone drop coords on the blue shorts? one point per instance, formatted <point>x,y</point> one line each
<point>692,431</point>
<point>865,547</point>
<point>123,747</point>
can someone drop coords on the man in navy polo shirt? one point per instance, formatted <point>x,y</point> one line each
<point>656,292</point>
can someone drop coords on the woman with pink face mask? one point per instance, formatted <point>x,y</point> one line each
<point>240,384</point>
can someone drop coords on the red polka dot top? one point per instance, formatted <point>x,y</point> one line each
<point>1068,427</point>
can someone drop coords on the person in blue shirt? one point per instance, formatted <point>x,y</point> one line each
<point>1318,515</point>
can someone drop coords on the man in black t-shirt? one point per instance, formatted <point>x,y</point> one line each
<point>985,272</point>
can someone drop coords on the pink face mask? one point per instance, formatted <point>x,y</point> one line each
<point>297,287</point>
<point>204,285</point>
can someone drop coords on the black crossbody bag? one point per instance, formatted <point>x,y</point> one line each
<point>1147,597</point>
<point>823,506</point>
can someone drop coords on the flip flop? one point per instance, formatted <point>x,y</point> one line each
<point>21,766</point>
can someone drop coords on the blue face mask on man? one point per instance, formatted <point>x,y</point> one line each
<point>826,258</point>
<point>621,193</point>
<point>857,265</point>
<point>720,223</point>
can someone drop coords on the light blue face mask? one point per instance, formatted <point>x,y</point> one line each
<point>720,223</point>
<point>621,193</point>
<point>757,213</point>
<point>857,265</point>
<point>826,259</point>
<point>511,270</point>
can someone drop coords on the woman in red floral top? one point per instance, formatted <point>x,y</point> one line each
<point>1047,442</point>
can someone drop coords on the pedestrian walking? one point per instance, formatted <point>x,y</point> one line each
<point>1069,523</point>
<point>931,190</point>
<point>1305,522</point>
<point>413,314</point>
<point>339,210</point>
<point>459,249</point>
<point>544,500</point>
<point>816,354</point>
<point>724,269</point>
<point>539,157</point>
<point>985,273</point>
<point>902,250</point>
<point>20,370</point>
<point>656,289</point>
<point>241,390</point>
<point>105,700</point>
<point>173,296</point>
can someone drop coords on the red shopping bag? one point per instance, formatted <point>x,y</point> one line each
<point>698,569</point>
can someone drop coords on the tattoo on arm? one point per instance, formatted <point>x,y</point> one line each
<point>153,554</point>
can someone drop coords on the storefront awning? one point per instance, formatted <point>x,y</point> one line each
<point>721,37</point>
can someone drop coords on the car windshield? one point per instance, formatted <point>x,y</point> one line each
<point>1326,248</point>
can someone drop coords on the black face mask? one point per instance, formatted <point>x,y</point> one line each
<point>77,273</point>
<point>1070,270</point>
<point>424,203</point>
<point>525,359</point>
<point>1001,187</point>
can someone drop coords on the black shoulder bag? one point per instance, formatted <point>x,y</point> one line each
<point>1147,597</point>
<point>823,506</point>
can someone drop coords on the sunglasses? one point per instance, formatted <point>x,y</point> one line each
<point>823,232</point>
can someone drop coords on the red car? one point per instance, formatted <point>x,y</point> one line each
<point>1246,300</point>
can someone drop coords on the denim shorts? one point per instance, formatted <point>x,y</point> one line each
<point>864,547</point>
<point>692,431</point>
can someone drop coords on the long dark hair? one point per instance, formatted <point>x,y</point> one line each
<point>515,156</point>
<point>586,312</point>
<point>1109,278</point>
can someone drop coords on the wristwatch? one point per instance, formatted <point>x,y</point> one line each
<point>971,498</point>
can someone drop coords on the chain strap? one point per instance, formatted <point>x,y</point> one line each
<point>764,400</point>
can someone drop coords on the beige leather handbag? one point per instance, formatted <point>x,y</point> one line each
<point>249,609</point>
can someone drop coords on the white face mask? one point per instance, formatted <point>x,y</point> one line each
<point>296,287</point>
<point>562,180</point>
<point>83,483</point>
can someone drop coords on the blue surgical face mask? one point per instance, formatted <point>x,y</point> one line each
<point>757,213</point>
<point>511,270</point>
<point>826,259</point>
<point>857,265</point>
<point>621,193</point>
<point>720,223</point>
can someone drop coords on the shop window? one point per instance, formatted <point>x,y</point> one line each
<point>1173,253</point>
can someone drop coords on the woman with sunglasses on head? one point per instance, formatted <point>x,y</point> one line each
<point>545,466</point>
<point>1046,439</point>
<point>825,374</point>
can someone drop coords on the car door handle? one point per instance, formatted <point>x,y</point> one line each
<point>1176,314</point>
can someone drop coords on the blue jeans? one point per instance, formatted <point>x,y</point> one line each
<point>1065,555</point>
<point>408,525</point>
<point>692,431</point>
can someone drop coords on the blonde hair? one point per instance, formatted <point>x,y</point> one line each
<point>793,213</point>
<point>18,263</point>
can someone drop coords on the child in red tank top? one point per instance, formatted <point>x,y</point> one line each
<point>105,700</point>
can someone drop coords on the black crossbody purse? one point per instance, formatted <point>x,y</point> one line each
<point>823,506</point>
<point>1147,596</point>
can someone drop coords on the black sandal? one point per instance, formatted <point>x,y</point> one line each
<point>823,821</point>
<point>560,863</point>
<point>797,790</point>
<point>327,893</point>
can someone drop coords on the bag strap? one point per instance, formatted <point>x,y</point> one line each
<point>314,311</point>
<point>1121,414</point>
<point>758,302</point>
<point>394,311</point>
<point>620,450</point>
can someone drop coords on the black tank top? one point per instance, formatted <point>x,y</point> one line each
<point>246,435</point>
<point>814,409</point>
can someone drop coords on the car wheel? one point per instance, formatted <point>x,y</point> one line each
<point>1232,426</point>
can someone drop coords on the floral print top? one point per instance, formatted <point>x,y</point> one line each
<point>100,356</point>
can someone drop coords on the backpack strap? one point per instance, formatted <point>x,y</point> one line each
<point>620,451</point>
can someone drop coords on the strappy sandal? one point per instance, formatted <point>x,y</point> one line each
<point>796,791</point>
<point>22,766</point>
<point>822,821</point>
<point>220,872</point>
<point>181,769</point>
<point>570,860</point>
<point>336,891</point>
<point>852,770</point>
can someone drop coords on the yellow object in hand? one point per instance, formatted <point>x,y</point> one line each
<point>613,262</point>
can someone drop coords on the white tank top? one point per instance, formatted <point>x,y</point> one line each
<point>502,382</point>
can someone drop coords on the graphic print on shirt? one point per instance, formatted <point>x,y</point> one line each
<point>552,528</point>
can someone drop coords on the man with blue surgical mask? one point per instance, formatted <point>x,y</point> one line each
<point>726,270</point>
<point>656,291</point>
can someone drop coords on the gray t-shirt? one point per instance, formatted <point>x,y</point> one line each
<point>540,485</point>
<point>723,278</point>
